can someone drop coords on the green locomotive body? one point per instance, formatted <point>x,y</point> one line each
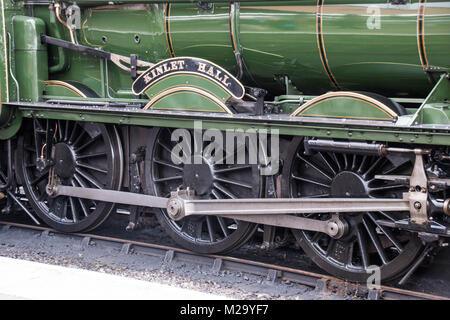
<point>354,97</point>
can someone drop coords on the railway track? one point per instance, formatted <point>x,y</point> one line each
<point>217,263</point>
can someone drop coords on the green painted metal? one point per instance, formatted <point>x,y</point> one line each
<point>436,107</point>
<point>61,91</point>
<point>188,80</point>
<point>341,105</point>
<point>416,136</point>
<point>31,57</point>
<point>188,100</point>
<point>371,46</point>
<point>363,45</point>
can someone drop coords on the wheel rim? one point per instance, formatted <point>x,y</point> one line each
<point>207,234</point>
<point>85,155</point>
<point>367,244</point>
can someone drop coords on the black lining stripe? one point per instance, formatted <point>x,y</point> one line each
<point>167,27</point>
<point>320,43</point>
<point>421,35</point>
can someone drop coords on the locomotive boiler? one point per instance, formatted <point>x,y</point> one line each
<point>330,119</point>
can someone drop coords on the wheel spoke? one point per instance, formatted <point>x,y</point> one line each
<point>317,236</point>
<point>314,167</point>
<point>354,162</point>
<point>350,253</point>
<point>235,168</point>
<point>83,185</point>
<point>387,215</point>
<point>388,234</point>
<point>345,161</point>
<point>171,153</point>
<point>363,164</point>
<point>89,178</point>
<point>92,155</point>
<point>59,128</point>
<point>384,188</point>
<point>74,130</point>
<point>66,130</point>
<point>362,247</point>
<point>210,228</point>
<point>168,179</point>
<point>376,241</point>
<point>330,247</point>
<point>80,201</point>
<point>91,167</point>
<point>224,190</point>
<point>73,209</point>
<point>223,226</point>
<point>234,182</point>
<point>327,163</point>
<point>87,144</point>
<point>337,161</point>
<point>167,164</point>
<point>372,167</point>
<point>78,139</point>
<point>311,181</point>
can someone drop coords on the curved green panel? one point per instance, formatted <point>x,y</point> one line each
<point>60,89</point>
<point>188,80</point>
<point>187,101</point>
<point>344,107</point>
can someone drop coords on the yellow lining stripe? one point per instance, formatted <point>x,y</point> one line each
<point>321,44</point>
<point>62,84</point>
<point>187,85</point>
<point>421,34</point>
<point>177,90</point>
<point>344,94</point>
<point>167,29</point>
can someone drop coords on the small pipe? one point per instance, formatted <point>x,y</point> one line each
<point>62,61</point>
<point>10,67</point>
<point>57,12</point>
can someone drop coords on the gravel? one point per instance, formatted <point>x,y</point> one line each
<point>67,251</point>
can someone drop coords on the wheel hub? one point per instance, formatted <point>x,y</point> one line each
<point>64,160</point>
<point>199,175</point>
<point>348,184</point>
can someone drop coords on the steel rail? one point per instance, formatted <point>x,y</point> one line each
<point>219,262</point>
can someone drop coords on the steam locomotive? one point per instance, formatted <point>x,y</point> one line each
<point>330,119</point>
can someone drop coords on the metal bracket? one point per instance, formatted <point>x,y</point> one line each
<point>259,95</point>
<point>136,159</point>
<point>418,190</point>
